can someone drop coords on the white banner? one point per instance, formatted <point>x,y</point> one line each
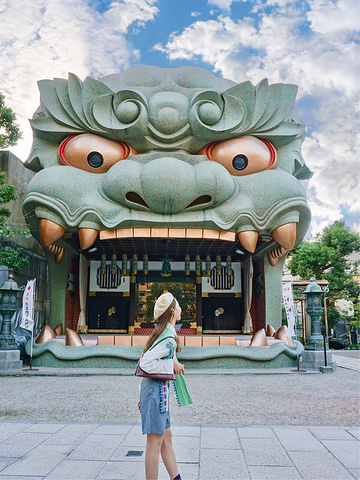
<point>27,320</point>
<point>289,304</point>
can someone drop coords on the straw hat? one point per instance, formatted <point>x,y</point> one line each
<point>162,304</point>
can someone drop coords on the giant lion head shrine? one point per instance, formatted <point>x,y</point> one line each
<point>166,179</point>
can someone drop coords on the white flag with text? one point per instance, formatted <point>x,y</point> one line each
<point>27,319</point>
<point>288,299</point>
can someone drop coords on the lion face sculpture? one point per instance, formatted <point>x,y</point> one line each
<point>175,148</point>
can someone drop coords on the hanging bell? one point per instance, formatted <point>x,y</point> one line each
<point>187,264</point>
<point>198,266</point>
<point>166,267</point>
<point>208,265</point>
<point>134,264</point>
<point>113,264</point>
<point>146,264</point>
<point>228,265</point>
<point>124,264</point>
<point>218,265</point>
<point>103,264</point>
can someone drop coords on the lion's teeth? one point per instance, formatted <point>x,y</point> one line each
<point>87,237</point>
<point>248,239</point>
<point>50,232</point>
<point>285,235</point>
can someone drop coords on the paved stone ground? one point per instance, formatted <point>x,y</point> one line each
<point>98,451</point>
<point>347,353</point>
<point>64,425</point>
<point>249,399</point>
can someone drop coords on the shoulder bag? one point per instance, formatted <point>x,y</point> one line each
<point>139,372</point>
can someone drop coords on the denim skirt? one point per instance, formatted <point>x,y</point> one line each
<point>152,420</point>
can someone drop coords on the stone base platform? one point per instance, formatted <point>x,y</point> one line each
<point>10,360</point>
<point>54,354</point>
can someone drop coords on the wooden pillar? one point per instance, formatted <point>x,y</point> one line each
<point>132,300</point>
<point>199,302</point>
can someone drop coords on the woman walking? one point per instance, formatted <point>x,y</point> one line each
<point>159,357</point>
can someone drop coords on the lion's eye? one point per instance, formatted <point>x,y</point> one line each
<point>93,153</point>
<point>243,155</point>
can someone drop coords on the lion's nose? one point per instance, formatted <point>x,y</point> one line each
<point>168,185</point>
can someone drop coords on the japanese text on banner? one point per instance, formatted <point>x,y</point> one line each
<point>27,320</point>
<point>288,299</point>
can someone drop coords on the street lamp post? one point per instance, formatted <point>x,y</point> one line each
<point>313,356</point>
<point>9,354</point>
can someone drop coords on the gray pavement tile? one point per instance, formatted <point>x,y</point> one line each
<point>8,429</point>
<point>76,470</point>
<point>223,437</point>
<point>108,429</point>
<point>45,427</point>
<point>120,454</point>
<point>134,438</point>
<point>122,471</point>
<point>96,447</point>
<point>274,473</point>
<point>20,477</point>
<point>346,451</point>
<point>319,465</point>
<point>222,464</point>
<point>5,461</point>
<point>255,432</point>
<point>187,449</point>
<point>185,431</point>
<point>188,471</point>
<point>72,434</point>
<point>331,433</point>
<point>355,472</point>
<point>21,443</point>
<point>298,439</point>
<point>355,431</point>
<point>265,451</point>
<point>39,462</point>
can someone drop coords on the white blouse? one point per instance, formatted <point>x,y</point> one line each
<point>152,361</point>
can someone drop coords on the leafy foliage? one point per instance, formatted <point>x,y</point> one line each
<point>13,258</point>
<point>9,130</point>
<point>7,193</point>
<point>326,258</point>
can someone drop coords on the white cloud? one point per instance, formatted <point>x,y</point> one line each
<point>322,60</point>
<point>195,14</point>
<point>333,17</point>
<point>49,38</point>
<point>223,4</point>
<point>217,42</point>
<point>122,14</point>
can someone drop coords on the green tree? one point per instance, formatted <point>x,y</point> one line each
<point>9,135</point>
<point>9,130</point>
<point>13,258</point>
<point>7,193</point>
<point>326,258</point>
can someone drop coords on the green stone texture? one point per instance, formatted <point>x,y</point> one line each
<point>167,115</point>
<point>54,354</point>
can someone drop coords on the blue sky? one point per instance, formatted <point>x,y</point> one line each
<point>312,43</point>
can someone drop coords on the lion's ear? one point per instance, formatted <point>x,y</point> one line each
<point>36,160</point>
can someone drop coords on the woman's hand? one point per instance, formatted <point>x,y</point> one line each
<point>178,368</point>
<point>139,407</point>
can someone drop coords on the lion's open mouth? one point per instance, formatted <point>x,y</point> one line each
<point>168,233</point>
